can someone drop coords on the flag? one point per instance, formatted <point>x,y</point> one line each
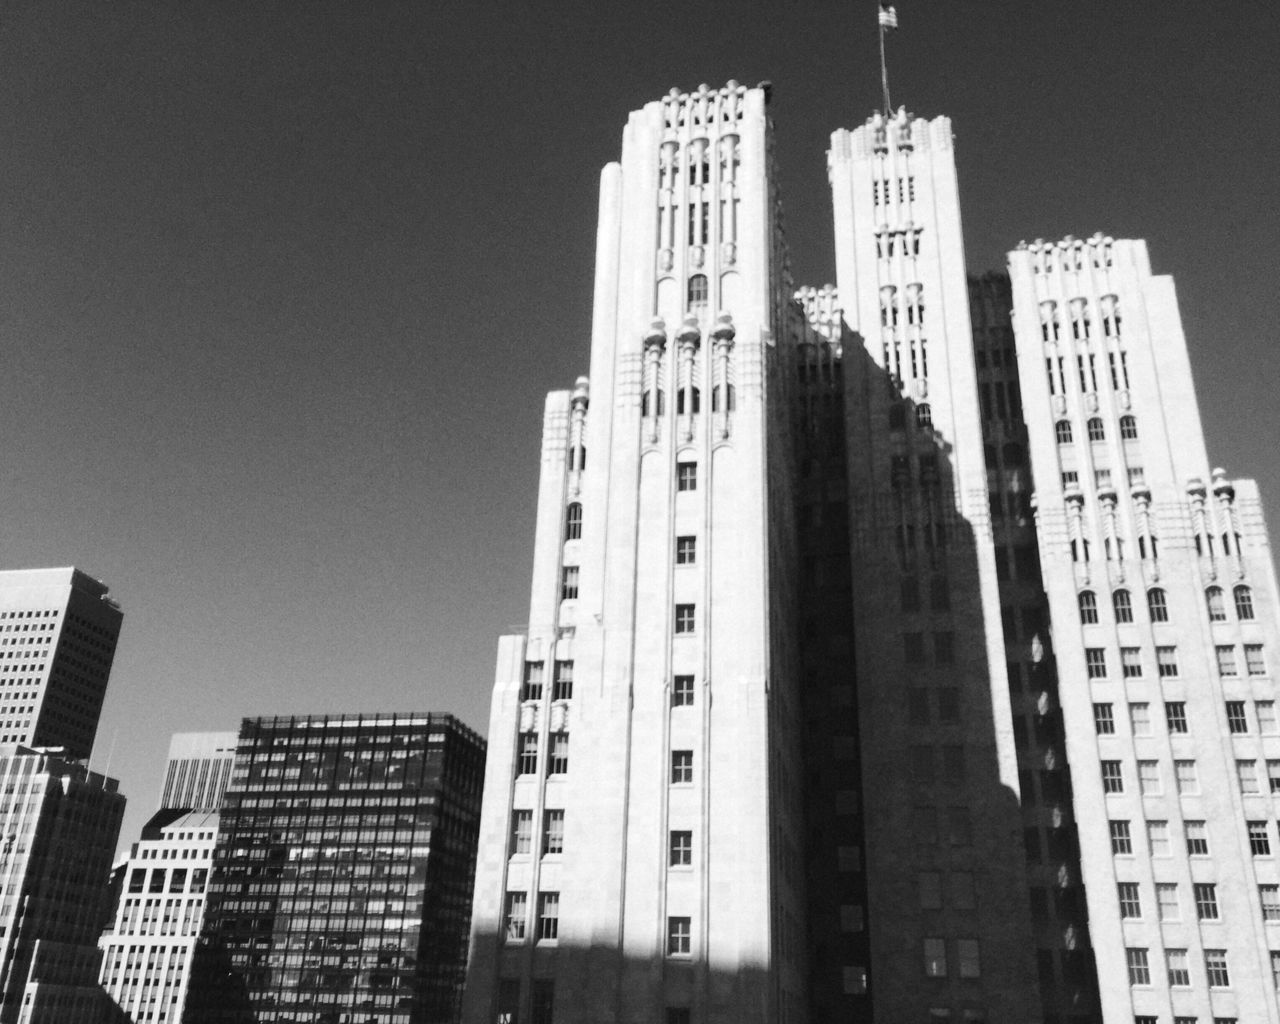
<point>888,16</point>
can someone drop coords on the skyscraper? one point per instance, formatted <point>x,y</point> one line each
<point>58,631</point>
<point>198,770</point>
<point>924,673</point>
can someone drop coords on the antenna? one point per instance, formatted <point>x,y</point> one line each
<point>110,753</point>
<point>888,20</point>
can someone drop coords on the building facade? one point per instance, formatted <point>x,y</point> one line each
<point>58,632</point>
<point>198,770</point>
<point>342,872</point>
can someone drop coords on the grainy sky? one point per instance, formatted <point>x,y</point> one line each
<point>282,286</point>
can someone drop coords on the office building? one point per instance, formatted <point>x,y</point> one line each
<point>58,631</point>
<point>198,770</point>
<point>342,873</point>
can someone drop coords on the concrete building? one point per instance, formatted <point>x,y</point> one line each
<point>198,770</point>
<point>342,872</point>
<point>147,950</point>
<point>58,631</point>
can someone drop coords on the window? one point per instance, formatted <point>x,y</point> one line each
<point>1179,971</point>
<point>1269,895</point>
<point>552,832</point>
<point>1215,965</point>
<point>1185,773</point>
<point>1175,715</point>
<point>573,521</point>
<point>681,766</point>
<point>681,850</point>
<point>1157,606</point>
<point>521,832</point>
<point>1217,607</point>
<point>532,688</point>
<point>693,402</point>
<point>1128,428</point>
<point>924,416</point>
<point>682,691</point>
<point>684,618</point>
<point>1197,839</point>
<point>562,688</point>
<point>1112,780</point>
<point>1136,476</point>
<point>1149,778</point>
<point>724,398</point>
<point>1275,968</point>
<point>1130,903</point>
<point>686,550</point>
<point>1121,842</point>
<point>967,953</point>
<point>1226,654</point>
<point>1096,431</point>
<point>1244,603</point>
<point>1103,721</point>
<point>1254,662</point>
<point>558,763</point>
<point>517,916</point>
<point>1273,776</point>
<point>1206,897</point>
<point>1088,608</point>
<point>1123,605</point>
<point>1063,431</point>
<point>1167,661</point>
<point>943,648</point>
<point>1131,662</point>
<point>1259,839</point>
<point>935,958</point>
<point>527,762</point>
<point>1167,901</point>
<point>548,916</point>
<point>1102,478</point>
<point>569,583</point>
<point>1070,480</point>
<point>686,476</point>
<point>1139,969</point>
<point>1095,661</point>
<point>1237,720</point>
<point>698,293</point>
<point>1247,773</point>
<point>679,936</point>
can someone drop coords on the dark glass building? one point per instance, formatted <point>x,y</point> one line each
<point>342,877</point>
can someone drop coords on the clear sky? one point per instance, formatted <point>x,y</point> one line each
<point>282,286</point>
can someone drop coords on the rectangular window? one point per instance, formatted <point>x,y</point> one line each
<point>1259,839</point>
<point>1255,663</point>
<point>1167,901</point>
<point>1197,839</point>
<point>1131,662</point>
<point>517,916</point>
<point>929,889</point>
<point>1175,715</point>
<point>1269,895</point>
<point>1206,896</point>
<point>1167,661</point>
<point>1121,842</point>
<point>1266,711</point>
<point>1226,654</point>
<point>679,936</point>
<point>1095,662</point>
<point>1215,966</point>
<point>944,648</point>
<point>935,958</point>
<point>1237,720</point>
<point>1103,721</point>
<point>1149,778</point>
<point>1275,969</point>
<point>686,550</point>
<point>684,618</point>
<point>681,850</point>
<point>1112,780</point>
<point>1140,718</point>
<point>1179,970</point>
<point>968,954</point>
<point>686,476</point>
<point>569,583</point>
<point>527,761</point>
<point>562,689</point>
<point>1188,781</point>
<point>681,766</point>
<point>558,763</point>
<point>548,916</point>
<point>533,676</point>
<point>1139,969</point>
<point>1130,903</point>
<point>681,691</point>
<point>1247,773</point>
<point>1273,776</point>
<point>552,833</point>
<point>521,832</point>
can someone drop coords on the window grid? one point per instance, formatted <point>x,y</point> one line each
<point>1139,969</point>
<point>681,766</point>
<point>1206,897</point>
<point>1237,720</point>
<point>1121,841</point>
<point>1167,661</point>
<point>1103,719</point>
<point>1179,968</point>
<point>1244,603</point>
<point>548,916</point>
<point>1259,839</point>
<point>1215,965</point>
<point>1226,655</point>
<point>1255,663</point>
<point>1167,901</point>
<point>681,849</point>
<point>1112,779</point>
<point>1130,902</point>
<point>1095,661</point>
<point>1123,606</point>
<point>1269,897</point>
<point>1131,662</point>
<point>1185,774</point>
<point>682,691</point>
<point>1175,715</point>
<point>1197,839</point>
<point>1157,605</point>
<point>1088,608</point>
<point>679,936</point>
<point>685,618</point>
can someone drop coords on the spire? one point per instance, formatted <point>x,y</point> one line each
<point>888,22</point>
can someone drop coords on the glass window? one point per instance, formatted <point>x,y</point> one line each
<point>1130,903</point>
<point>1197,839</point>
<point>1063,431</point>
<point>935,958</point>
<point>573,521</point>
<point>1247,773</point>
<point>548,916</point>
<point>569,583</point>
<point>1139,969</point>
<point>1269,895</point>
<point>1167,661</point>
<point>1103,720</point>
<point>1255,663</point>
<point>1217,606</point>
<point>1185,773</point>
<point>967,953</point>
<point>1237,720</point>
<point>686,476</point>
<point>1244,603</point>
<point>679,936</point>
<point>682,691</point>
<point>517,916</point>
<point>685,619</point>
<point>1167,901</point>
<point>1266,710</point>
<point>1259,839</point>
<point>680,853</point>
<point>681,766</point>
<point>1096,431</point>
<point>1226,654</point>
<point>1215,965</point>
<point>1112,780</point>
<point>1128,428</point>
<point>1095,661</point>
<point>1149,778</point>
<point>1131,662</point>
<point>1088,607</point>
<point>1179,971</point>
<point>533,676</point>
<point>521,832</point>
<point>1121,842</point>
<point>552,832</point>
<point>1123,605</point>
<point>1157,606</point>
<point>686,550</point>
<point>1273,775</point>
<point>527,762</point>
<point>1175,714</point>
<point>558,763</point>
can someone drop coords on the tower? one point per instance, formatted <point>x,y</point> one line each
<point>641,830</point>
<point>198,770</point>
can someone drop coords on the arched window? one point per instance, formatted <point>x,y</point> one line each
<point>924,417</point>
<point>573,521</point>
<point>1244,603</point>
<point>1157,605</point>
<point>897,417</point>
<point>698,293</point>
<point>1063,431</point>
<point>690,399</point>
<point>1088,608</point>
<point>649,407</point>
<point>1123,606</point>
<point>1217,606</point>
<point>1096,431</point>
<point>717,404</point>
<point>1128,428</point>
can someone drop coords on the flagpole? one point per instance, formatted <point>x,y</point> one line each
<point>884,74</point>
